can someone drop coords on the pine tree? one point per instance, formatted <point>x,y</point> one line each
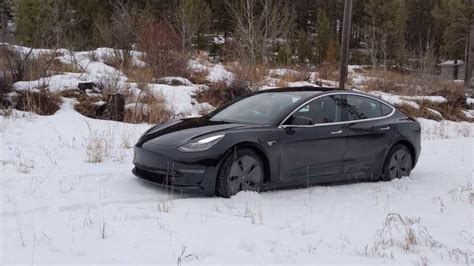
<point>324,35</point>
<point>453,21</point>
<point>32,18</point>
<point>5,17</point>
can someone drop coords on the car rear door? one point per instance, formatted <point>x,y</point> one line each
<point>313,142</point>
<point>369,132</point>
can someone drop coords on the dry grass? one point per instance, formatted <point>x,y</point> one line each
<point>451,110</point>
<point>97,146</point>
<point>149,108</point>
<point>219,93</point>
<point>328,71</point>
<point>418,112</point>
<point>199,77</point>
<point>118,59</point>
<point>293,76</point>
<point>87,105</point>
<point>139,74</point>
<point>405,84</point>
<point>248,75</point>
<point>59,67</point>
<point>41,102</point>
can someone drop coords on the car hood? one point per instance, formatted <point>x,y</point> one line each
<point>180,132</point>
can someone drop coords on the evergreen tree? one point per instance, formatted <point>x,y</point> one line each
<point>5,17</point>
<point>32,18</point>
<point>453,19</point>
<point>324,35</point>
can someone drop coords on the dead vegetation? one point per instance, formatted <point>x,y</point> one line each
<point>411,236</point>
<point>418,112</point>
<point>41,102</point>
<point>220,93</point>
<point>405,84</point>
<point>148,107</point>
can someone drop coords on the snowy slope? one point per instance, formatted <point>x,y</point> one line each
<point>58,208</point>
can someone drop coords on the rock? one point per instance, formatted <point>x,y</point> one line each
<point>174,81</point>
<point>91,86</point>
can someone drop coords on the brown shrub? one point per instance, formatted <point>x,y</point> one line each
<point>328,71</point>
<point>293,76</point>
<point>151,109</point>
<point>26,66</point>
<point>248,75</point>
<point>406,84</point>
<point>41,102</point>
<point>199,77</point>
<point>451,110</point>
<point>87,106</point>
<point>139,74</point>
<point>220,93</point>
<point>119,59</point>
<point>160,43</point>
<point>418,112</point>
<point>59,67</point>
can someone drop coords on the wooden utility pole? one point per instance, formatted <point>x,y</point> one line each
<point>470,55</point>
<point>346,37</point>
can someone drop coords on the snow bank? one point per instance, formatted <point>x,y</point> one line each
<point>56,208</point>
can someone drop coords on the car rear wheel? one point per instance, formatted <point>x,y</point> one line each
<point>241,170</point>
<point>398,163</point>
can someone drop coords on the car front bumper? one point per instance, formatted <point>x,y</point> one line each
<point>161,169</point>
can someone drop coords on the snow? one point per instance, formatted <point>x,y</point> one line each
<point>180,98</point>
<point>67,194</point>
<point>452,62</point>
<point>57,208</point>
<point>175,80</point>
<point>217,72</point>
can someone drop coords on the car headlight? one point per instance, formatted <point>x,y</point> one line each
<point>202,144</point>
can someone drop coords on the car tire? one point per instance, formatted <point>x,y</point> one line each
<point>398,163</point>
<point>241,170</point>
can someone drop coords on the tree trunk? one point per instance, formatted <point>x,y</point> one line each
<point>470,54</point>
<point>116,106</point>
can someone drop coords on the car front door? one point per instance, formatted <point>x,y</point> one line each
<point>369,133</point>
<point>313,142</point>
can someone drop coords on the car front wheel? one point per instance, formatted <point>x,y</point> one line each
<point>241,170</point>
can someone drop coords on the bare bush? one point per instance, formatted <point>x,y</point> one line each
<point>256,25</point>
<point>451,110</point>
<point>160,45</point>
<point>247,76</point>
<point>418,112</point>
<point>97,146</point>
<point>26,66</point>
<point>406,84</point>
<point>139,74</point>
<point>199,76</point>
<point>220,93</point>
<point>150,108</point>
<point>42,102</point>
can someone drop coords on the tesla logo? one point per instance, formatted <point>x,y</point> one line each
<point>270,143</point>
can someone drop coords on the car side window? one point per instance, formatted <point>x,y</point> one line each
<point>323,110</point>
<point>359,108</point>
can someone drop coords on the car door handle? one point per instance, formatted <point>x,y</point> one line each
<point>337,132</point>
<point>385,129</point>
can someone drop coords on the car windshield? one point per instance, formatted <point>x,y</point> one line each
<point>260,109</point>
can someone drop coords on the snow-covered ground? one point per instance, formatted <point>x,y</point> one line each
<point>57,207</point>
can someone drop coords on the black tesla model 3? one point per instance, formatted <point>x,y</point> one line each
<point>279,138</point>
